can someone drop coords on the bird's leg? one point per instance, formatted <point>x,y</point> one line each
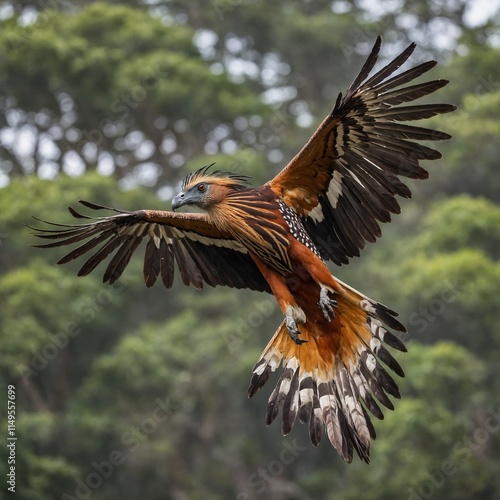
<point>294,315</point>
<point>326,303</point>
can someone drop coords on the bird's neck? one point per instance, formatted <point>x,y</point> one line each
<point>252,217</point>
<point>236,208</point>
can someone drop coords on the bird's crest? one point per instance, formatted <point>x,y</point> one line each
<point>230,179</point>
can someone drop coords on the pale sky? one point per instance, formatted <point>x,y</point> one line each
<point>445,36</point>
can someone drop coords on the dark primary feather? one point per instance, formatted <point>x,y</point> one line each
<point>364,143</point>
<point>335,396</point>
<point>202,253</point>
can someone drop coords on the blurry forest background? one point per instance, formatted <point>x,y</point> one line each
<point>131,393</point>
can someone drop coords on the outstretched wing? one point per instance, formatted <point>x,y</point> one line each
<point>346,178</point>
<point>202,252</point>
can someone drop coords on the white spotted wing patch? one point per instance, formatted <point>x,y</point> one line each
<point>356,162</point>
<point>296,227</point>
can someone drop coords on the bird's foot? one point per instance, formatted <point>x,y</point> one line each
<point>327,304</point>
<point>293,316</point>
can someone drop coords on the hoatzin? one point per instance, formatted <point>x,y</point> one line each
<point>324,205</point>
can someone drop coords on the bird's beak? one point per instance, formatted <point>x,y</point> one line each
<point>179,200</point>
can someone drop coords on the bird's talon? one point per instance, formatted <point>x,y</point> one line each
<point>293,330</point>
<point>295,337</point>
<point>327,305</point>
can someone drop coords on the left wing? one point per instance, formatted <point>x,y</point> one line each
<point>203,253</point>
<point>346,178</point>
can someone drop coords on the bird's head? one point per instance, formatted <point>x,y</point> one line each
<point>205,188</point>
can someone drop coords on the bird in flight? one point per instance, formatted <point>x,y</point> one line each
<point>324,205</point>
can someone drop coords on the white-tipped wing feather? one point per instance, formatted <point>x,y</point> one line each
<point>203,253</point>
<point>345,180</point>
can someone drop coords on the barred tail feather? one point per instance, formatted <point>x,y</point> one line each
<point>334,385</point>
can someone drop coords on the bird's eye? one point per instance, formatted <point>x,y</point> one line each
<point>202,187</point>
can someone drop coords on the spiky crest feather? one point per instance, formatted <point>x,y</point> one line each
<point>231,179</point>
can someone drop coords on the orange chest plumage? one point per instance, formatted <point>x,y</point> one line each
<point>264,225</point>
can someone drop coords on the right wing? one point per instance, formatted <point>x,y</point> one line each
<point>345,180</point>
<point>202,252</point>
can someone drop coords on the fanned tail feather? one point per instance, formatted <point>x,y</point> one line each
<point>335,389</point>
